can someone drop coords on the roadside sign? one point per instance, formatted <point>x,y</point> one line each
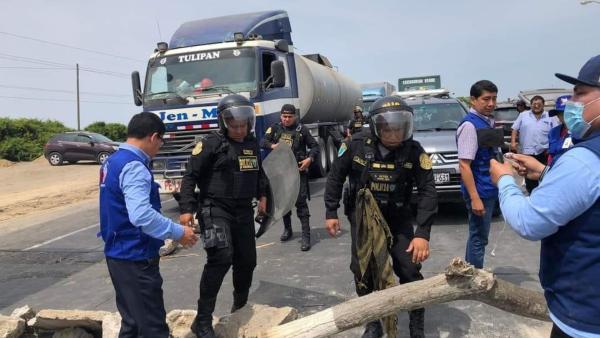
<point>419,83</point>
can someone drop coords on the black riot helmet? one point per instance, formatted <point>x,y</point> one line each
<point>235,108</point>
<point>391,120</point>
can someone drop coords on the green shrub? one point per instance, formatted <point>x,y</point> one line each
<point>24,139</point>
<point>114,131</point>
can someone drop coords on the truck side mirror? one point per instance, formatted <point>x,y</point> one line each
<point>135,85</point>
<point>278,73</point>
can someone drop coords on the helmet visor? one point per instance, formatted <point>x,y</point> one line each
<point>239,117</point>
<point>393,127</point>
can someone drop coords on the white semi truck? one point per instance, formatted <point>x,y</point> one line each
<point>248,54</point>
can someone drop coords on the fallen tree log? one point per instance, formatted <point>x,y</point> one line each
<point>461,281</point>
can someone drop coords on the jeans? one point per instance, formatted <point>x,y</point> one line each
<point>479,230</point>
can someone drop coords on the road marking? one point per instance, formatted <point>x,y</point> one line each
<point>61,237</point>
<point>264,245</point>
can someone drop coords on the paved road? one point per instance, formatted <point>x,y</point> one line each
<point>58,263</point>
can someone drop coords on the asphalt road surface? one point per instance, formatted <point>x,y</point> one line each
<point>57,262</point>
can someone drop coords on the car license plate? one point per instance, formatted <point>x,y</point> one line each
<point>441,178</point>
<point>169,185</point>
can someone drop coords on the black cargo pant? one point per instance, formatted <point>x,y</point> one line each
<point>404,268</point>
<point>139,296</point>
<point>532,184</point>
<point>301,203</point>
<point>231,244</point>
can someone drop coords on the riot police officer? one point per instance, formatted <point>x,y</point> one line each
<point>356,124</point>
<point>226,168</point>
<point>290,131</point>
<point>389,162</point>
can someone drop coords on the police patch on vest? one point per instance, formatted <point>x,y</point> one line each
<point>248,152</point>
<point>248,163</point>
<point>358,125</point>
<point>425,161</point>
<point>342,149</point>
<point>407,165</point>
<point>197,149</point>
<point>286,138</point>
<point>388,166</point>
<point>360,161</point>
<point>382,187</point>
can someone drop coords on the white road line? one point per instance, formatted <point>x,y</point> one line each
<point>61,237</point>
<point>72,233</point>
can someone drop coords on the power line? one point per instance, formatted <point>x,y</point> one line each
<point>58,100</point>
<point>49,68</point>
<point>68,46</point>
<point>53,63</point>
<point>62,91</point>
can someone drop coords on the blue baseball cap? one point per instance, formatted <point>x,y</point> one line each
<point>588,75</point>
<point>559,107</point>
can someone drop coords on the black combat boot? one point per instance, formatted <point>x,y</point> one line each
<point>373,330</point>
<point>239,300</point>
<point>417,323</point>
<point>287,228</point>
<point>305,235</point>
<point>202,325</point>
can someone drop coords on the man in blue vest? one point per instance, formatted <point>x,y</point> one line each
<point>559,138</point>
<point>478,191</point>
<point>133,229</point>
<point>564,212</point>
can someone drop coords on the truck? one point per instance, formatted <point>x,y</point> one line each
<point>373,91</point>
<point>248,54</point>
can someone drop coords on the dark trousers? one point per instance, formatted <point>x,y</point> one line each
<point>532,184</point>
<point>558,333</point>
<point>138,288</point>
<point>238,250</point>
<point>301,204</point>
<point>404,268</point>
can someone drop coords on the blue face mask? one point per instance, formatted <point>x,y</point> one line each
<point>573,117</point>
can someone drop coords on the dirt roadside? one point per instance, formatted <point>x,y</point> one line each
<point>27,188</point>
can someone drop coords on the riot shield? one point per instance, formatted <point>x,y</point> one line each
<point>281,169</point>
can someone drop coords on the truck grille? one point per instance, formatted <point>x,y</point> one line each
<point>171,160</point>
<point>444,158</point>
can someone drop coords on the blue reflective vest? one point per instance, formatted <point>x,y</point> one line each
<point>555,142</point>
<point>570,265</point>
<point>123,240</point>
<point>480,166</point>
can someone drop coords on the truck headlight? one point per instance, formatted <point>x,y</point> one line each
<point>158,165</point>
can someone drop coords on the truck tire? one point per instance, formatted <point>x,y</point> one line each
<point>331,151</point>
<point>319,168</point>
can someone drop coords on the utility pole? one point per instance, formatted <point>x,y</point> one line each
<point>78,118</point>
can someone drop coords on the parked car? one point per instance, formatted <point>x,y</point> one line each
<point>436,119</point>
<point>79,146</point>
<point>505,115</point>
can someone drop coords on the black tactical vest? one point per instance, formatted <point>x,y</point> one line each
<point>356,126</point>
<point>235,170</point>
<point>390,181</point>
<point>293,138</point>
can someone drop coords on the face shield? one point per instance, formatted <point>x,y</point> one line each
<point>236,118</point>
<point>393,127</point>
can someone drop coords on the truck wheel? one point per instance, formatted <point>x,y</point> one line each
<point>319,168</point>
<point>331,151</point>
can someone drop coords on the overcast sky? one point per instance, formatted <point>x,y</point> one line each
<point>518,44</point>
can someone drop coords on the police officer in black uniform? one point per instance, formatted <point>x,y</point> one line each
<point>226,168</point>
<point>290,131</point>
<point>389,162</point>
<point>355,125</point>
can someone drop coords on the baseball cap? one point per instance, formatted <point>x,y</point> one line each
<point>588,75</point>
<point>559,107</point>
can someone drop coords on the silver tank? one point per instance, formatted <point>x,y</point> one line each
<point>325,95</point>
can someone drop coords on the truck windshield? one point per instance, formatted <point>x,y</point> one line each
<point>438,116</point>
<point>181,78</point>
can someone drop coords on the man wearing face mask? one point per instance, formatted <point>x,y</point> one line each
<point>564,212</point>
<point>559,138</point>
<point>390,163</point>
